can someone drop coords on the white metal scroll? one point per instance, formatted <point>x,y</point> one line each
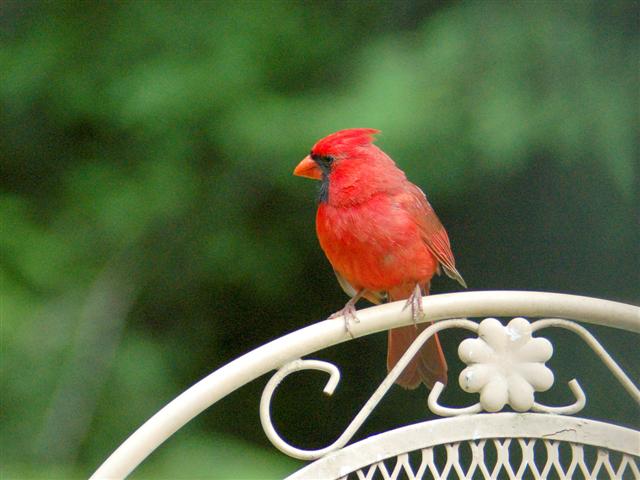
<point>506,368</point>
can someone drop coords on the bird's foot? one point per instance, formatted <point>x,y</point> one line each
<point>415,302</point>
<point>349,314</point>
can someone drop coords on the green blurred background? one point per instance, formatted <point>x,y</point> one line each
<point>152,230</point>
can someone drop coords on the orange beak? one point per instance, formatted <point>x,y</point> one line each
<point>308,168</point>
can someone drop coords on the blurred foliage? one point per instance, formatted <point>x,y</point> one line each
<point>152,231</point>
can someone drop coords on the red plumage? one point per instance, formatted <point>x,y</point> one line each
<point>381,236</point>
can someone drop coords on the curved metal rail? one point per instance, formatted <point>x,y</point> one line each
<point>326,333</point>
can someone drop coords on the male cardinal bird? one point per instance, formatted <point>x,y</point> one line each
<point>382,238</point>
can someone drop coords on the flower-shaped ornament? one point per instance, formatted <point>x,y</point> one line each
<point>505,364</point>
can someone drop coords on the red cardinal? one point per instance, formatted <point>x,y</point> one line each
<point>382,238</point>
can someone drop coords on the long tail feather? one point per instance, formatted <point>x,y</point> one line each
<point>429,364</point>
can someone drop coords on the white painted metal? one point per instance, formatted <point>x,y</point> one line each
<point>443,411</point>
<point>511,361</point>
<point>484,432</point>
<point>330,332</point>
<point>362,415</point>
<point>598,349</point>
<point>505,365</point>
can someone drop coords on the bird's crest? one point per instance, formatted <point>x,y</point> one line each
<point>343,141</point>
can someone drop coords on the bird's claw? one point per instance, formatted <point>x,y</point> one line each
<point>349,314</point>
<point>415,302</point>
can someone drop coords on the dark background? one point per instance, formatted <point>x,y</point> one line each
<point>152,230</point>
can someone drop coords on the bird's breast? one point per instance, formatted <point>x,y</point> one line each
<point>374,244</point>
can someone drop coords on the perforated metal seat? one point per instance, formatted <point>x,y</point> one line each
<point>488,446</point>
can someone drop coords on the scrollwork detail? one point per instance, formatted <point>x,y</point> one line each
<point>365,411</point>
<point>509,351</point>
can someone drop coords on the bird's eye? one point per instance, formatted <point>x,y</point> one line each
<point>326,160</point>
<point>323,161</point>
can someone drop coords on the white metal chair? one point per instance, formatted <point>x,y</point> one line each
<point>505,367</point>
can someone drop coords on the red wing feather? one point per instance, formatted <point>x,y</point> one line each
<point>433,233</point>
